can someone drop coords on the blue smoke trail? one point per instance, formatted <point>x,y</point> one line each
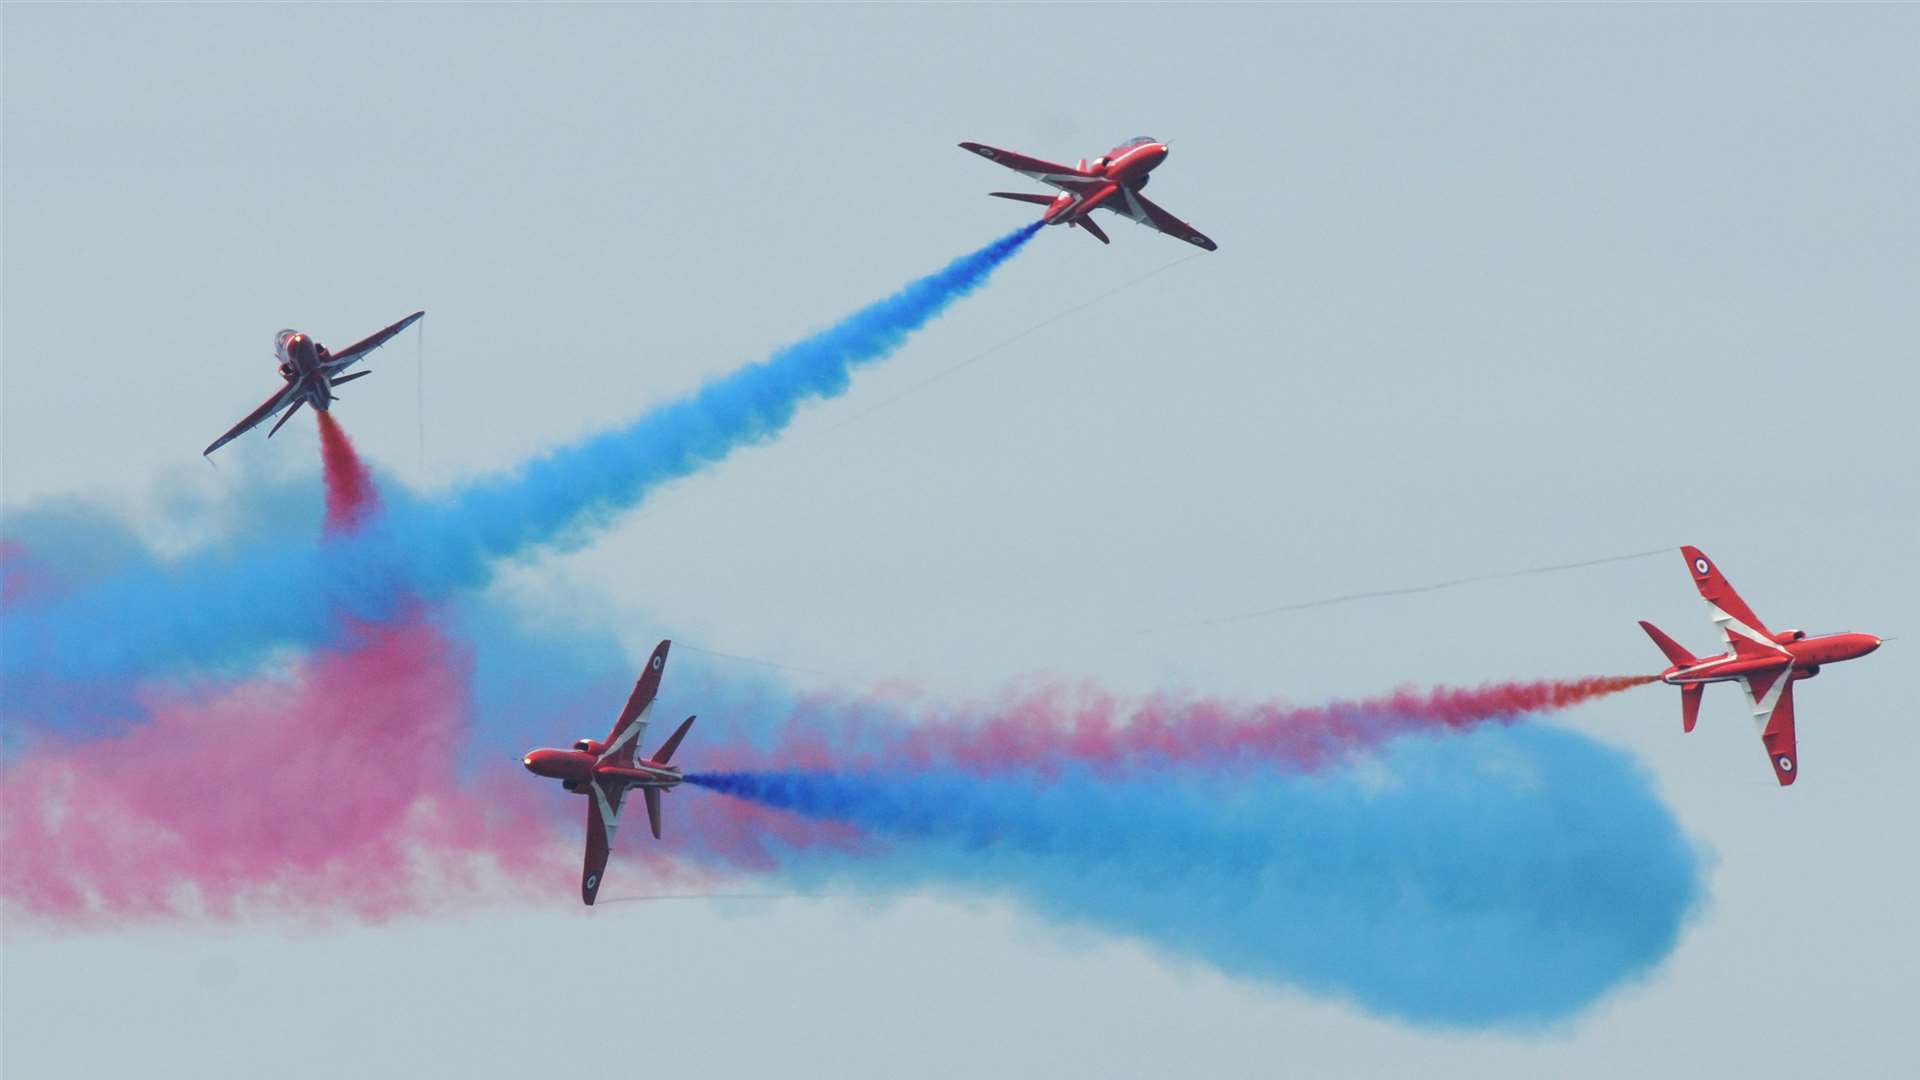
<point>224,609</point>
<point>1505,877</point>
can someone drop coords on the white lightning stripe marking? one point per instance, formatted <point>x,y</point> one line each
<point>1729,626</point>
<point>633,732</point>
<point>609,817</point>
<point>1763,707</point>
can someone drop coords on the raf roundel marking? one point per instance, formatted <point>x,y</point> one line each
<point>1701,565</point>
<point>656,663</point>
<point>1785,763</point>
<point>592,880</point>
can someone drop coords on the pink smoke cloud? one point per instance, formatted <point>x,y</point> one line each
<point>329,790</point>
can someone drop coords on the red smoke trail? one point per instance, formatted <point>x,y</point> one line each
<point>350,493</point>
<point>330,791</point>
<point>1056,726</point>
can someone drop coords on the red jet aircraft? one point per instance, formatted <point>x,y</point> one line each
<point>311,373</point>
<point>1111,181</point>
<point>1765,663</point>
<point>603,771</point>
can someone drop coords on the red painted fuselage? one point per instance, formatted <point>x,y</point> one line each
<point>576,769</point>
<point>1804,654</point>
<point>303,362</point>
<point>1122,167</point>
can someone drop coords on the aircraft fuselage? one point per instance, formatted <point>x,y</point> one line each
<point>1804,654</point>
<point>1122,167</point>
<point>575,769</point>
<point>303,361</point>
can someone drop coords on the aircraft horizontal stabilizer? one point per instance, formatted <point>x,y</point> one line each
<point>1690,704</point>
<point>297,402</point>
<point>350,378</point>
<point>652,795</point>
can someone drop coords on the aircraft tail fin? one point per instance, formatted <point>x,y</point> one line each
<point>673,742</point>
<point>1676,653</point>
<point>652,795</point>
<point>1023,196</point>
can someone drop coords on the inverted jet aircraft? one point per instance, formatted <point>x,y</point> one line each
<point>603,771</point>
<point>1765,664</point>
<point>1111,181</point>
<point>310,373</point>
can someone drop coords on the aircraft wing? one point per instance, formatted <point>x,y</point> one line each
<point>1134,205</point>
<point>1064,177</point>
<point>1747,637</point>
<point>624,739</point>
<point>342,358</point>
<point>603,817</point>
<point>281,398</point>
<point>1770,694</point>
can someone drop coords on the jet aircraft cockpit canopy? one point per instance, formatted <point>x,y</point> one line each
<point>1137,140</point>
<point>280,341</point>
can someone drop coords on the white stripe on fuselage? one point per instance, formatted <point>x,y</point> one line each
<point>1698,672</point>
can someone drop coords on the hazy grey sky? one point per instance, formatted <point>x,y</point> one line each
<point>1498,286</point>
